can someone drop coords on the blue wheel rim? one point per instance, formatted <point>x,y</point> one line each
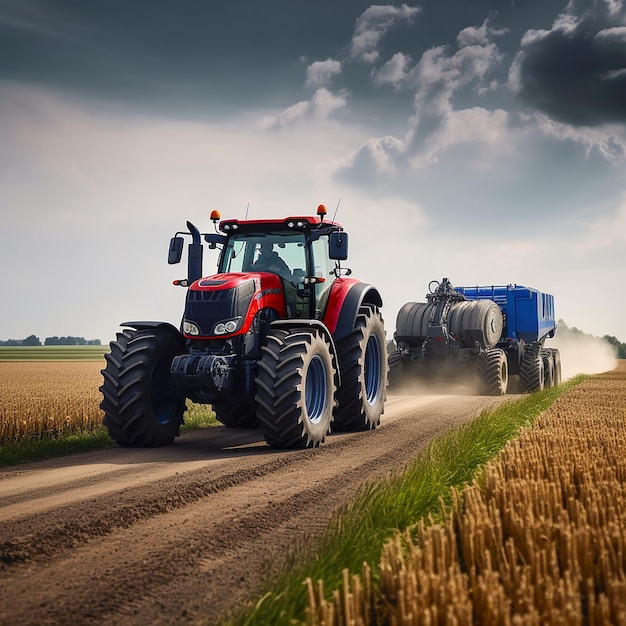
<point>316,388</point>
<point>372,367</point>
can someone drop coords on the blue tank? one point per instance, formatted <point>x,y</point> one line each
<point>528,313</point>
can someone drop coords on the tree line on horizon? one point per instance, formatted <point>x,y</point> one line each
<point>33,340</point>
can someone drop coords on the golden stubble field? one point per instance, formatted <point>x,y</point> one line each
<point>538,538</point>
<point>49,398</point>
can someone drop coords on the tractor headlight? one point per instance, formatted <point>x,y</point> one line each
<point>225,327</point>
<point>189,328</point>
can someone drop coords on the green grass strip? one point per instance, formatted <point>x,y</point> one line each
<point>28,450</point>
<point>357,533</point>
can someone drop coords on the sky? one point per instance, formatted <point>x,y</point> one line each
<point>481,141</point>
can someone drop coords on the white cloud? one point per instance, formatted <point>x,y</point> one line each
<point>321,106</point>
<point>378,155</point>
<point>373,24</point>
<point>614,6</point>
<point>479,36</point>
<point>394,71</point>
<point>617,33</point>
<point>475,126</point>
<point>608,141</point>
<point>321,73</point>
<point>438,75</point>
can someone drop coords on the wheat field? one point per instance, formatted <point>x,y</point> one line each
<point>539,538</point>
<point>57,398</point>
<point>48,398</point>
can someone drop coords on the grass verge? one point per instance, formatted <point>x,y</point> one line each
<point>357,533</point>
<point>47,446</point>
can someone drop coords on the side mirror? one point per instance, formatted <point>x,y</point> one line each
<point>176,250</point>
<point>338,246</point>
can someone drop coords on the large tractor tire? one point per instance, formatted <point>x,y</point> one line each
<point>295,388</point>
<point>548,368</point>
<point>492,373</point>
<point>235,413</point>
<point>531,370</point>
<point>363,366</point>
<point>141,406</point>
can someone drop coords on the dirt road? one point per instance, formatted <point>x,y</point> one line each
<point>183,534</point>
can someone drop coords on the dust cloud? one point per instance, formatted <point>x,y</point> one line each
<point>582,353</point>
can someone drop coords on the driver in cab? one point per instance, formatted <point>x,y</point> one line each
<point>269,261</point>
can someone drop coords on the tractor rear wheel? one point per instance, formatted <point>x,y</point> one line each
<point>235,413</point>
<point>531,370</point>
<point>141,405</point>
<point>363,366</point>
<point>295,388</point>
<point>492,372</point>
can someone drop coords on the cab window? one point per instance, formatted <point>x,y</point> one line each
<point>283,254</point>
<point>323,267</point>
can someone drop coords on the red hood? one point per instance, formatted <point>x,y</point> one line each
<point>230,280</point>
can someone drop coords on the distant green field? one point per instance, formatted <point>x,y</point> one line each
<point>53,353</point>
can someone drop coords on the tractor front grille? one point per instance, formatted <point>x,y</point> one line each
<point>206,308</point>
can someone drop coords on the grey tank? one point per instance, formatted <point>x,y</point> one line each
<point>470,321</point>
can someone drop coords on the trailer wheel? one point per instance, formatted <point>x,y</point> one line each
<point>141,406</point>
<point>556,356</point>
<point>396,368</point>
<point>363,366</point>
<point>235,413</point>
<point>548,368</point>
<point>492,373</point>
<point>531,370</point>
<point>295,388</point>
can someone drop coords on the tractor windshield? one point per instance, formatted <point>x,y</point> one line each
<point>281,253</point>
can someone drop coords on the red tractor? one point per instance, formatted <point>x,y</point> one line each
<point>279,338</point>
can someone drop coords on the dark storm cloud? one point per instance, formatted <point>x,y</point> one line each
<point>576,71</point>
<point>198,57</point>
<point>163,54</point>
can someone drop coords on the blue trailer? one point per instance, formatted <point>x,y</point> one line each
<point>488,332</point>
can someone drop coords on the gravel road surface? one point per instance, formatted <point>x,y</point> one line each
<point>184,534</point>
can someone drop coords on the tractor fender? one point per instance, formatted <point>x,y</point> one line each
<point>346,298</point>
<point>147,325</point>
<point>317,325</point>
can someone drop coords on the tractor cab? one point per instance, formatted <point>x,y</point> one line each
<point>301,257</point>
<point>304,252</point>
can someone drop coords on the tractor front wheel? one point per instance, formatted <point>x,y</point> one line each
<point>141,405</point>
<point>295,388</point>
